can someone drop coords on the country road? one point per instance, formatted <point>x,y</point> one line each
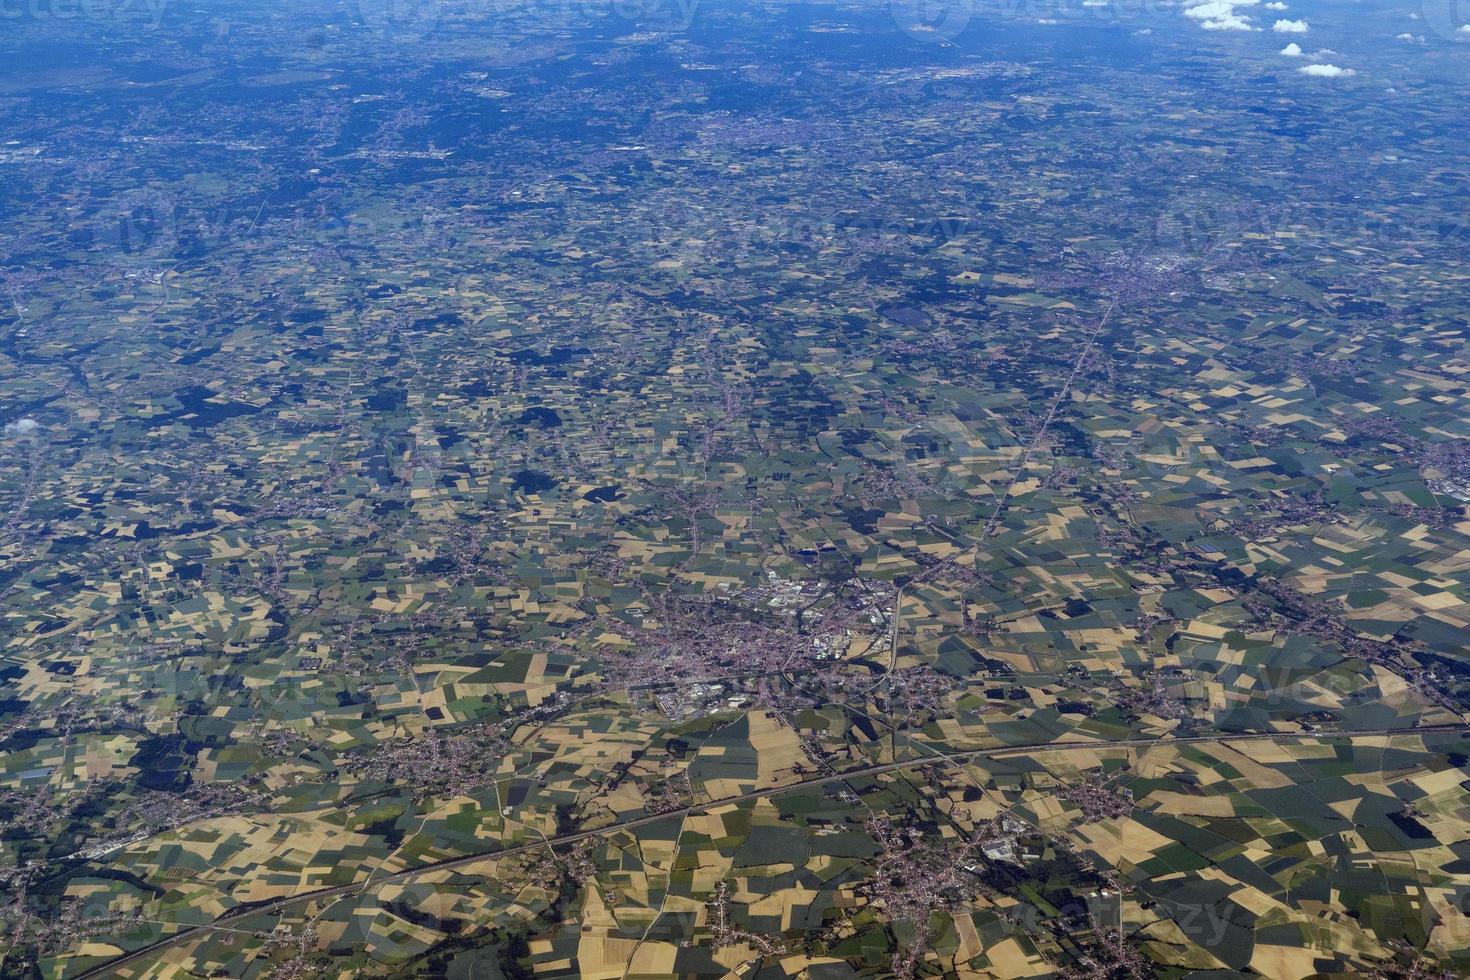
<point>113,966</point>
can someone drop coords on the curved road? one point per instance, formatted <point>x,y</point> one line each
<point>112,966</point>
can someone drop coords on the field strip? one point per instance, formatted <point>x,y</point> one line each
<point>341,891</point>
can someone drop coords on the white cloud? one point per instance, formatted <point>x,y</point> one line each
<point>1094,3</point>
<point>1465,28</point>
<point>22,427</point>
<point>1326,71</point>
<point>1292,50</point>
<point>1221,15</point>
<point>1275,5</point>
<point>1290,27</point>
<point>1412,39</point>
<point>1210,9</point>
